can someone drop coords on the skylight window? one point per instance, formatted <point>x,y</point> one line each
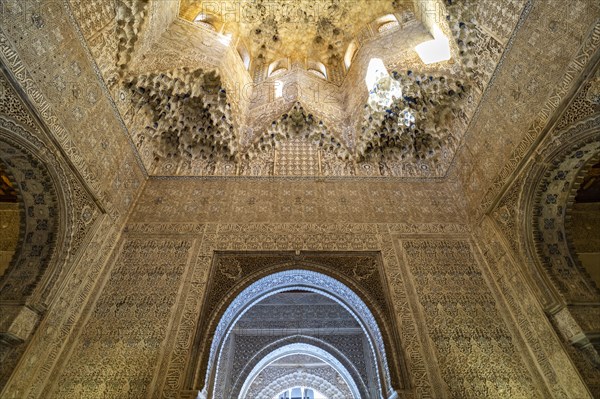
<point>375,72</point>
<point>436,50</point>
<point>225,38</point>
<point>350,53</point>
<point>383,90</point>
<point>206,21</point>
<point>201,17</point>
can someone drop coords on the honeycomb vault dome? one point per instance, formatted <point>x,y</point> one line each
<point>258,88</point>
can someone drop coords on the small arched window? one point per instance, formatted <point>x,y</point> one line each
<point>317,68</point>
<point>208,21</point>
<point>350,53</point>
<point>244,55</point>
<point>277,67</point>
<point>386,23</point>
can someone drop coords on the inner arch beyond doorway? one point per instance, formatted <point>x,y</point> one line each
<point>305,349</point>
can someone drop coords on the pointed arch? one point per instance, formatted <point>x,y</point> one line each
<point>310,281</point>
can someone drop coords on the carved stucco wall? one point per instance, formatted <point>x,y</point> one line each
<point>55,263</point>
<point>521,305</point>
<point>531,223</point>
<point>61,108</point>
<point>476,354</point>
<point>56,331</point>
<point>302,200</point>
<point>121,342</point>
<point>71,98</point>
<point>521,102</point>
<point>56,214</point>
<point>442,255</point>
<point>202,216</point>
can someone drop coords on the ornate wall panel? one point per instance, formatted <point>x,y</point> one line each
<point>59,328</point>
<point>31,36</point>
<point>531,324</point>
<point>247,200</point>
<point>280,238</point>
<point>532,218</point>
<point>58,213</point>
<point>476,353</point>
<point>455,276</point>
<point>97,22</point>
<point>121,342</point>
<point>70,97</point>
<point>520,105</point>
<point>533,211</point>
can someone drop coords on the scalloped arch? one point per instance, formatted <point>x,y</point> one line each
<point>309,281</point>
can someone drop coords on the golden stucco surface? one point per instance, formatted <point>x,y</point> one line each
<point>305,29</point>
<point>125,103</point>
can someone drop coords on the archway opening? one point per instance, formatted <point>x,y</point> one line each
<point>299,365</point>
<point>10,220</point>
<point>584,226</point>
<point>299,315</point>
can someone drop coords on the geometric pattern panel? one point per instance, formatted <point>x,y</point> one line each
<point>475,351</point>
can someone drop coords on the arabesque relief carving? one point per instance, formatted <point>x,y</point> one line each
<point>166,154</point>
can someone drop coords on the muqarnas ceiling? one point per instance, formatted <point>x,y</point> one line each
<point>185,116</point>
<point>273,29</point>
<point>417,127</point>
<point>187,120</point>
<point>191,122</point>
